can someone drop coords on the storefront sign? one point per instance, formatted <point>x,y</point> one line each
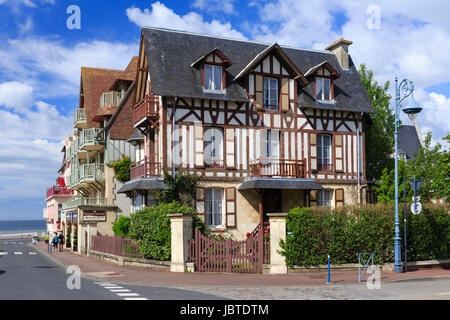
<point>94,216</point>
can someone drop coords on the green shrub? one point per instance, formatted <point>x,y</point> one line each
<point>122,169</point>
<point>121,227</point>
<point>150,227</point>
<point>344,232</point>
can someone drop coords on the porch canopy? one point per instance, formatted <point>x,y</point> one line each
<point>141,185</point>
<point>259,185</point>
<point>280,183</point>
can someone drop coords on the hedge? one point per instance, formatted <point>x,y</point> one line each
<point>150,228</point>
<point>315,233</point>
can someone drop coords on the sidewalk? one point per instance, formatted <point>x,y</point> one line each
<point>94,267</point>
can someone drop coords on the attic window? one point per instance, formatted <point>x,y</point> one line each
<point>213,78</point>
<point>323,89</point>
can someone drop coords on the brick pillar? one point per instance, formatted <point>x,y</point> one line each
<point>181,228</point>
<point>277,232</point>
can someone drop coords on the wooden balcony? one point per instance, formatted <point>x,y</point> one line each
<point>325,167</point>
<point>89,141</point>
<point>79,118</point>
<point>111,98</point>
<point>278,168</point>
<point>146,111</point>
<point>57,190</point>
<point>145,168</point>
<point>83,201</point>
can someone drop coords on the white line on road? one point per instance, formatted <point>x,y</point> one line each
<point>128,294</point>
<point>120,290</point>
<point>113,287</point>
<point>139,298</point>
<point>32,253</point>
<point>3,253</point>
<point>18,252</point>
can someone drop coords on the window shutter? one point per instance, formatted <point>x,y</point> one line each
<point>339,197</point>
<point>230,148</point>
<point>338,151</point>
<point>259,92</point>
<point>199,148</point>
<point>313,151</point>
<point>230,206</point>
<point>284,94</point>
<point>313,198</point>
<point>200,200</point>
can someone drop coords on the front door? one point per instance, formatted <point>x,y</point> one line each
<point>271,202</point>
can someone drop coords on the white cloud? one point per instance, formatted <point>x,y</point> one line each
<point>15,95</point>
<point>26,26</point>
<point>163,17</point>
<point>29,59</point>
<point>215,6</point>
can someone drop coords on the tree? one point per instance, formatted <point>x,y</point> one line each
<point>431,164</point>
<point>380,126</point>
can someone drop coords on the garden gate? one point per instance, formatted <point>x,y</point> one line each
<point>245,256</point>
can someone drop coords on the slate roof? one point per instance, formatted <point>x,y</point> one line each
<point>408,141</point>
<point>170,54</point>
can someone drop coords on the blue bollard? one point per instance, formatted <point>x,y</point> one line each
<point>329,282</point>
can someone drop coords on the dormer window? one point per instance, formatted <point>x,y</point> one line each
<point>323,89</point>
<point>213,77</point>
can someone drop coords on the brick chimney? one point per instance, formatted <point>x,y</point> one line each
<point>340,49</point>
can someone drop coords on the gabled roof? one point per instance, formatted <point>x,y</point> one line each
<point>260,57</point>
<point>224,58</point>
<point>325,64</point>
<point>170,54</point>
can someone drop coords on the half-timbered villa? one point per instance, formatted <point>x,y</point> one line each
<point>267,127</point>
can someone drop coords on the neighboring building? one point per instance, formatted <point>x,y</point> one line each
<point>409,141</point>
<point>102,122</point>
<point>267,127</point>
<point>55,197</point>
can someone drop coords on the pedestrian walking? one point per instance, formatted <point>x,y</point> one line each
<point>61,241</point>
<point>55,241</point>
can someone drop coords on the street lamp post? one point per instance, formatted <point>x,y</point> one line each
<point>402,91</point>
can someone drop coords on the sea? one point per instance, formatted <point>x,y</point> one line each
<point>22,226</point>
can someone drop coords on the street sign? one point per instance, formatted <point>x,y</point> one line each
<point>415,184</point>
<point>416,199</point>
<point>416,208</point>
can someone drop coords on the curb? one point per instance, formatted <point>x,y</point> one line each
<point>429,278</point>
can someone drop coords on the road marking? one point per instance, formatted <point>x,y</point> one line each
<point>3,253</point>
<point>20,242</point>
<point>115,287</point>
<point>32,253</point>
<point>103,284</point>
<point>119,290</point>
<point>18,252</point>
<point>13,243</point>
<point>138,298</point>
<point>128,294</point>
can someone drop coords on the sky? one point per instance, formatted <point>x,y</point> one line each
<point>44,43</point>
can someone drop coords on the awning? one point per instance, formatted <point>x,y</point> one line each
<point>280,183</point>
<point>143,184</point>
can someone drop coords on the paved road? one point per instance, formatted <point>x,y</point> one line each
<point>27,274</point>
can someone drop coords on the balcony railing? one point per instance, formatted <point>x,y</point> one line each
<point>282,168</point>
<point>145,168</point>
<point>111,98</point>
<point>83,201</point>
<point>79,118</point>
<point>92,172</point>
<point>88,139</point>
<point>57,190</point>
<point>325,167</point>
<point>148,107</point>
<point>214,164</point>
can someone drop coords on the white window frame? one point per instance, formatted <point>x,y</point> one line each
<point>271,101</point>
<point>322,149</point>
<point>324,197</point>
<point>213,84</point>
<point>271,145</point>
<point>213,143</point>
<point>320,85</point>
<point>214,207</point>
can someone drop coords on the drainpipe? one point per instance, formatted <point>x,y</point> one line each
<point>359,160</point>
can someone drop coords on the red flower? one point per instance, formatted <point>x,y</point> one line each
<point>221,231</point>
<point>248,234</point>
